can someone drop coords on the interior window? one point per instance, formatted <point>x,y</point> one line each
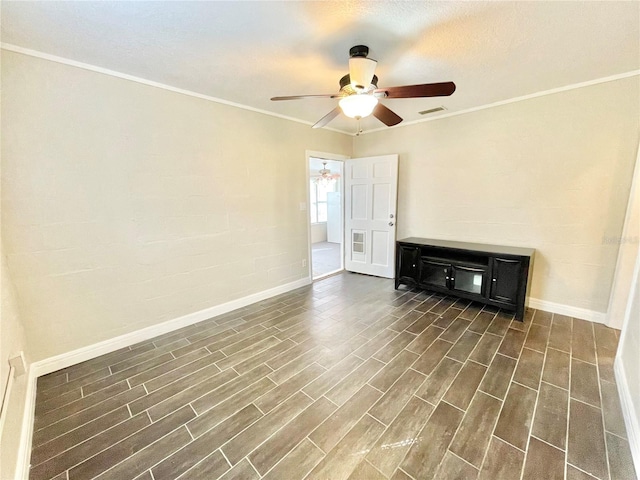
<point>318,200</point>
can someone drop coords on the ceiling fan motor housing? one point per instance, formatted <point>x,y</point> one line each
<point>345,84</point>
<point>359,51</point>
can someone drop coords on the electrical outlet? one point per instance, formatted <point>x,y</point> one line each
<point>304,262</point>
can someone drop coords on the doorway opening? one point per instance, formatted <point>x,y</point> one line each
<point>326,218</point>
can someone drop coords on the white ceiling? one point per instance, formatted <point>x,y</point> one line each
<point>247,52</point>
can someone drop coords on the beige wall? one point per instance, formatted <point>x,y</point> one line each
<point>12,342</point>
<point>127,205</point>
<point>551,173</point>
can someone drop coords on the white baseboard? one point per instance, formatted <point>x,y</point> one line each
<point>567,310</point>
<point>632,422</point>
<point>48,365</point>
<point>24,450</point>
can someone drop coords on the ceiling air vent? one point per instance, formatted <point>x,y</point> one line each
<point>432,110</point>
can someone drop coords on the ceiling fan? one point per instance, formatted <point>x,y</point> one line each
<point>359,93</point>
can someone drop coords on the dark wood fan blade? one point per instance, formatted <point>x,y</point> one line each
<point>298,97</point>
<point>443,89</point>
<point>386,116</point>
<point>327,118</point>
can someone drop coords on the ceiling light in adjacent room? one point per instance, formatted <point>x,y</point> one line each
<point>325,176</point>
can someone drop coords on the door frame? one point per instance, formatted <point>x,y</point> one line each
<point>308,154</point>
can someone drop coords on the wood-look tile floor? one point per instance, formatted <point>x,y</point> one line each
<point>345,379</point>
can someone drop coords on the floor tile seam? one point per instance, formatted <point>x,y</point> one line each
<point>150,445</point>
<point>58,374</point>
<point>44,391</point>
<point>84,459</point>
<point>403,405</point>
<point>408,476</point>
<point>533,414</point>
<point>419,435</point>
<point>372,466</point>
<point>453,437</point>
<point>299,389</point>
<point>185,474</point>
<point>204,412</point>
<point>248,427</point>
<point>252,466</point>
<point>246,359</point>
<point>457,408</point>
<point>626,439</point>
<point>589,404</point>
<point>327,398</point>
<point>584,471</point>
<point>285,352</point>
<point>181,366</point>
<point>522,384</point>
<point>160,353</point>
<point>387,343</point>
<point>566,440</point>
<point>46,412</point>
<point>493,356</point>
<point>347,432</point>
<point>291,362</point>
<point>396,355</point>
<point>504,401</point>
<point>554,385</point>
<point>563,450</point>
<point>91,372</point>
<point>221,350</point>
<point>514,446</point>
<point>296,373</point>
<point>518,359</point>
<point>501,400</point>
<point>127,378</point>
<point>459,457</point>
<point>604,427</point>
<point>265,440</point>
<point>81,410</point>
<point>193,399</point>
<point>83,441</point>
<point>486,369</point>
<point>583,361</point>
<point>427,347</point>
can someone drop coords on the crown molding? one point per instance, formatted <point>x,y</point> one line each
<point>105,71</point>
<point>522,98</point>
<point>113,73</point>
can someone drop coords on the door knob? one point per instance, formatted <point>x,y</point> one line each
<point>391,216</point>
<point>391,224</point>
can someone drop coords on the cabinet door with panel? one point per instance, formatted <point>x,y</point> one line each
<point>505,277</point>
<point>407,267</point>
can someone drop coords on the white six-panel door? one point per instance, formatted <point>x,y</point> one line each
<point>371,186</point>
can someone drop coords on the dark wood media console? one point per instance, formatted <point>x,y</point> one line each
<point>490,274</point>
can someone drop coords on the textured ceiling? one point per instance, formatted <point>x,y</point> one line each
<point>247,52</point>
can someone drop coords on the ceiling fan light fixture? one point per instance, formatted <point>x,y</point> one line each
<point>358,106</point>
<point>361,71</point>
